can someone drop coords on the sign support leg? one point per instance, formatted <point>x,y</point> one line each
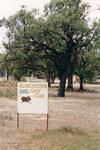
<point>17,120</point>
<point>47,121</point>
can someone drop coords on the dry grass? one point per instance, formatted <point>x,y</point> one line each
<point>52,140</point>
<point>66,140</point>
<point>8,89</point>
<point>73,122</point>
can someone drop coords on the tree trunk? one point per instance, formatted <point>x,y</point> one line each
<point>70,83</point>
<point>7,74</point>
<point>53,77</point>
<point>18,78</point>
<point>48,76</point>
<point>81,84</point>
<point>62,84</point>
<point>52,80</point>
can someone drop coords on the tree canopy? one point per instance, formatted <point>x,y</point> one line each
<point>60,37</point>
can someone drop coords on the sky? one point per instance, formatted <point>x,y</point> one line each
<point>10,7</point>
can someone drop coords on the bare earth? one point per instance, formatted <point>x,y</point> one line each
<point>77,111</point>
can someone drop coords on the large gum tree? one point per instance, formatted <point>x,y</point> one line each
<point>63,35</point>
<point>59,36</point>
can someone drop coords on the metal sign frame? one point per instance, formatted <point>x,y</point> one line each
<point>47,114</point>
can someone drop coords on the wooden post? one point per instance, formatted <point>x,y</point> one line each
<point>17,120</point>
<point>48,116</point>
<point>47,121</point>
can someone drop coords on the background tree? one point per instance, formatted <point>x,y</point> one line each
<point>62,34</point>
<point>88,67</point>
<point>22,59</point>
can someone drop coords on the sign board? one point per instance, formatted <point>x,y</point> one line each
<point>32,97</point>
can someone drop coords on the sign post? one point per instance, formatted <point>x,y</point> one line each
<point>17,120</point>
<point>32,99</point>
<point>47,121</point>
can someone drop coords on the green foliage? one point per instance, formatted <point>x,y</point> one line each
<point>21,57</point>
<point>61,37</point>
<point>89,65</point>
<point>71,34</point>
<point>96,44</point>
<point>2,63</point>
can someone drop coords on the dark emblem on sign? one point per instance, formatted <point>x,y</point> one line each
<point>26,99</point>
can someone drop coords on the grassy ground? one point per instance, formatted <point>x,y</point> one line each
<point>8,89</point>
<point>51,140</point>
<point>64,140</point>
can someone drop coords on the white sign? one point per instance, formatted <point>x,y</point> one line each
<point>33,97</point>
